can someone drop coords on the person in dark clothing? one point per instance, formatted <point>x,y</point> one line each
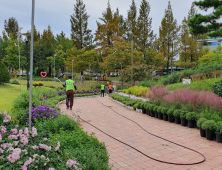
<point>70,85</point>
<point>102,89</point>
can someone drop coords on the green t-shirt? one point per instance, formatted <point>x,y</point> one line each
<point>69,85</point>
<point>102,87</point>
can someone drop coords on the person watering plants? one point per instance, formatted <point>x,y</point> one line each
<point>102,89</point>
<point>70,85</point>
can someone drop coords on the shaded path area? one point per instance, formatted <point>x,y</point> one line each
<point>123,157</point>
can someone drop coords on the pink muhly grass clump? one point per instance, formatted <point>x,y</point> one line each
<point>157,93</point>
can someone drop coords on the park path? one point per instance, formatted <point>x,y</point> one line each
<point>122,157</point>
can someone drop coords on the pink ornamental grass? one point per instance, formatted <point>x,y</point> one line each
<point>157,93</point>
<point>195,99</point>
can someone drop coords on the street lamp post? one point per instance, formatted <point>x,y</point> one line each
<point>72,68</point>
<point>89,77</point>
<point>31,63</point>
<point>132,64</point>
<point>27,64</point>
<point>19,33</point>
<point>121,78</point>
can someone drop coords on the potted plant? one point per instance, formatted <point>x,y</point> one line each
<point>199,123</point>
<point>209,126</point>
<point>146,106</point>
<point>191,117</point>
<point>160,115</point>
<point>219,132</point>
<point>155,111</point>
<point>176,114</point>
<point>170,114</point>
<point>164,112</point>
<point>151,110</point>
<point>183,118</point>
<point>142,105</point>
<point>135,106</point>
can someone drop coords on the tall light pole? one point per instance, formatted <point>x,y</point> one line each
<point>19,33</point>
<point>31,63</point>
<point>121,77</point>
<point>72,69</point>
<point>54,65</point>
<point>132,64</point>
<point>89,77</point>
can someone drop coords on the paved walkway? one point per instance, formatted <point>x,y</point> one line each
<point>122,157</point>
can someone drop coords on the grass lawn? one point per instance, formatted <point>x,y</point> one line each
<point>8,93</point>
<point>195,85</point>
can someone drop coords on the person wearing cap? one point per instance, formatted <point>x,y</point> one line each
<point>70,85</point>
<point>102,89</point>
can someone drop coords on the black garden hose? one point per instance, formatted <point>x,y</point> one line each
<point>204,158</point>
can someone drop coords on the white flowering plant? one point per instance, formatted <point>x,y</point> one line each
<point>24,149</point>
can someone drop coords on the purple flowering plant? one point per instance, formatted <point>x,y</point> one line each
<point>42,112</point>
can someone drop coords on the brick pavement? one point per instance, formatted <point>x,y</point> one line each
<point>122,157</point>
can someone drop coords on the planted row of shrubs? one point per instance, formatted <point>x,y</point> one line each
<point>207,120</point>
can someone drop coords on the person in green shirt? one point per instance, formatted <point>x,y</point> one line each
<point>102,89</point>
<point>70,85</point>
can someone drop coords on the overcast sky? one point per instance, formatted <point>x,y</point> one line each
<point>56,13</point>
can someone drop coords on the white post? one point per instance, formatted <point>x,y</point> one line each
<point>31,63</point>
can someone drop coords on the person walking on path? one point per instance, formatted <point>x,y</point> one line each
<point>110,88</point>
<point>102,89</point>
<point>70,85</point>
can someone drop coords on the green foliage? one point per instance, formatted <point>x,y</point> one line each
<point>219,127</point>
<point>183,114</point>
<point>137,90</point>
<point>217,88</point>
<point>209,125</point>
<point>151,107</point>
<point>159,109</point>
<point>210,114</point>
<point>201,121</point>
<point>191,116</point>
<point>164,110</point>
<point>4,73</point>
<point>155,108</point>
<point>170,111</point>
<point>176,113</point>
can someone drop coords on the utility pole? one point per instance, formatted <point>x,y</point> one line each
<point>132,64</point>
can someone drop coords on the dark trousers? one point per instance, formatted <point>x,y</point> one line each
<point>102,93</point>
<point>110,91</point>
<point>69,98</point>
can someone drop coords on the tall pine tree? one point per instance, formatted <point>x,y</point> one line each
<point>11,27</point>
<point>131,22</point>
<point>145,35</point>
<point>109,31</point>
<point>168,33</point>
<point>81,35</point>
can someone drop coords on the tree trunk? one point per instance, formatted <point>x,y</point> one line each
<point>50,71</point>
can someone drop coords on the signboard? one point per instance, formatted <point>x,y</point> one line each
<point>186,81</point>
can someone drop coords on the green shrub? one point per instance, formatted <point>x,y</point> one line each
<point>200,122</point>
<point>209,125</point>
<point>191,116</point>
<point>159,109</point>
<point>219,127</point>
<point>146,105</point>
<point>170,111</point>
<point>183,114</point>
<point>135,106</point>
<point>4,73</point>
<point>176,113</point>
<point>210,114</point>
<point>164,110</point>
<point>155,108</point>
<point>217,88</point>
<point>151,107</point>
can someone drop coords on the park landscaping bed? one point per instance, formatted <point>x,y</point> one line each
<point>54,142</point>
<point>204,113</point>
